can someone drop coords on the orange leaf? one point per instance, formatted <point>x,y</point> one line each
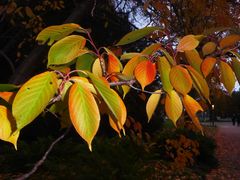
<point>8,96</point>
<point>227,76</point>
<point>180,79</point>
<point>209,48</point>
<point>194,59</point>
<point>229,41</point>
<point>173,106</point>
<point>192,107</point>
<point>84,112</point>
<point>207,65</point>
<point>187,43</point>
<point>145,73</point>
<point>152,104</point>
<point>114,66</point>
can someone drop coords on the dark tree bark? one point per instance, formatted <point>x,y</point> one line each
<point>35,59</point>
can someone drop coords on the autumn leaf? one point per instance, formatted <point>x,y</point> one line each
<point>55,33</point>
<point>8,87</point>
<point>136,35</point>
<point>85,62</point>
<point>33,97</point>
<point>129,55</point>
<point>164,70</point>
<point>173,106</point>
<point>152,103</point>
<point>209,48</point>
<point>229,41</point>
<point>227,76</point>
<point>145,73</point>
<point>84,112</point>
<point>194,59</point>
<point>236,68</point>
<point>84,82</point>
<point>207,65</point>
<point>66,50</point>
<point>180,79</point>
<point>192,107</point>
<point>8,127</point>
<point>97,68</point>
<point>8,96</point>
<point>187,43</point>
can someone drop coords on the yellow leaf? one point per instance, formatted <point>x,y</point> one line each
<point>227,76</point>
<point>187,43</point>
<point>84,82</point>
<point>180,79</point>
<point>236,68</point>
<point>152,104</point>
<point>164,70</point>
<point>194,59</point>
<point>209,48</point>
<point>97,68</point>
<point>207,65</point>
<point>192,107</point>
<point>173,106</point>
<point>229,41</point>
<point>8,130</point>
<point>145,73</point>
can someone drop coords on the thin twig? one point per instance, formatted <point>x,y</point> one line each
<point>94,6</point>
<point>8,60</point>
<point>41,161</point>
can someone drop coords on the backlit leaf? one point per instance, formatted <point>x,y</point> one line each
<point>209,48</point>
<point>129,55</point>
<point>55,33</point>
<point>168,56</point>
<point>136,35</point>
<point>229,41</point>
<point>151,49</point>
<point>164,70</point>
<point>199,83</point>
<point>173,106</point>
<point>207,65</point>
<point>236,68</point>
<point>187,43</point>
<point>110,98</point>
<point>152,104</point>
<point>66,50</point>
<point>227,76</point>
<point>97,68</point>
<point>192,107</point>
<point>84,112</point>
<point>33,97</point>
<point>180,79</point>
<point>84,82</point>
<point>145,73</point>
<point>8,96</point>
<point>194,59</point>
<point>85,62</point>
<point>7,126</point>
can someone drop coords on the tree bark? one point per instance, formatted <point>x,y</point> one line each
<point>35,59</point>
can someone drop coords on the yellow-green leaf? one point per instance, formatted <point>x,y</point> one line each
<point>85,62</point>
<point>180,79</point>
<point>129,55</point>
<point>8,126</point>
<point>199,83</point>
<point>227,76</point>
<point>8,87</point>
<point>194,59</point>
<point>33,97</point>
<point>192,107</point>
<point>97,68</point>
<point>66,50</point>
<point>55,33</point>
<point>236,68</point>
<point>229,41</point>
<point>164,70</point>
<point>84,112</point>
<point>152,103</point>
<point>136,35</point>
<point>207,65</point>
<point>173,106</point>
<point>145,73</point>
<point>209,48</point>
<point>84,82</point>
<point>187,43</point>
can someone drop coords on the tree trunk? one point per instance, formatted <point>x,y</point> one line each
<point>35,59</point>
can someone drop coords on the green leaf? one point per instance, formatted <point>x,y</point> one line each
<point>152,103</point>
<point>227,76</point>
<point>236,68</point>
<point>33,97</point>
<point>136,35</point>
<point>84,112</point>
<point>109,97</point>
<point>85,62</point>
<point>194,59</point>
<point>180,79</point>
<point>66,50</point>
<point>8,87</point>
<point>55,33</point>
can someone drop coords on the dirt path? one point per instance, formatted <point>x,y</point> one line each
<point>228,153</point>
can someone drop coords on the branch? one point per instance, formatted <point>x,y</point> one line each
<point>41,161</point>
